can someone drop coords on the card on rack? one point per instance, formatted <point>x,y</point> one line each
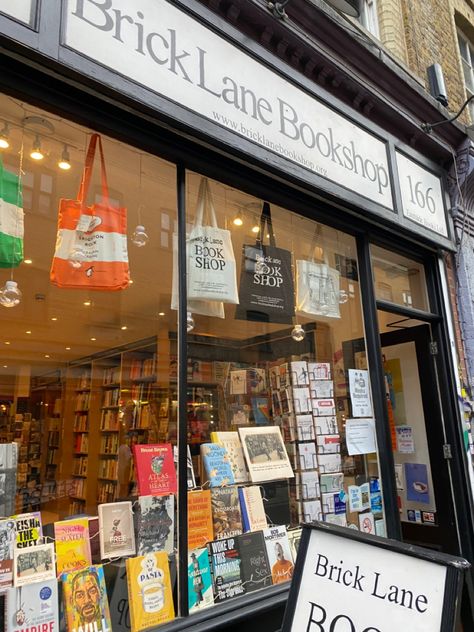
<point>325,425</point>
<point>293,455</point>
<point>284,375</point>
<point>274,375</point>
<point>311,510</point>
<point>323,407</point>
<point>329,463</point>
<point>261,411</point>
<point>332,482</point>
<point>305,427</point>
<point>333,503</point>
<point>367,523</point>
<point>276,404</point>
<point>256,381</point>
<point>307,485</point>
<point>238,382</point>
<point>321,389</point>
<point>319,370</point>
<point>339,519</point>
<point>307,453</point>
<point>286,401</point>
<point>301,400</point>
<point>328,444</point>
<point>299,373</point>
<point>288,429</point>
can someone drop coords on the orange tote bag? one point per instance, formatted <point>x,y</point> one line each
<point>91,245</point>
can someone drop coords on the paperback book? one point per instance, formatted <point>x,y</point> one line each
<point>253,511</point>
<point>200,525</point>
<point>156,473</point>
<point>279,554</point>
<point>94,614</point>
<point>265,453</point>
<point>226,515</point>
<point>225,564</point>
<point>231,442</point>
<point>7,548</point>
<point>254,568</point>
<point>32,607</point>
<point>117,536</point>
<point>29,531</point>
<point>200,593</point>
<point>216,463</point>
<point>34,565</point>
<point>154,517</point>
<point>72,545</point>
<point>261,412</point>
<point>149,590</point>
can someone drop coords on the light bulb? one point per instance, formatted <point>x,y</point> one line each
<point>4,142</point>
<point>238,221</point>
<point>189,322</point>
<point>10,295</point>
<point>139,236</point>
<point>36,152</point>
<point>298,333</point>
<point>77,256</point>
<point>256,226</point>
<point>343,297</point>
<point>65,162</point>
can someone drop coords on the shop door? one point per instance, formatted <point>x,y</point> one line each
<point>421,469</point>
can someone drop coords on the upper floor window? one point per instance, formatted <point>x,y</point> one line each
<point>368,16</point>
<point>466,49</point>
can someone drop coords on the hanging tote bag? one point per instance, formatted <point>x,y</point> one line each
<point>266,280</point>
<point>97,232</point>
<point>210,256</point>
<point>317,287</point>
<point>11,219</point>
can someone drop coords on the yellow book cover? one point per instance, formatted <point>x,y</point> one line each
<point>149,590</point>
<point>73,551</point>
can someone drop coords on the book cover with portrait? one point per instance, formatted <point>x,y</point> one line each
<point>85,600</point>
<point>279,554</point>
<point>117,536</point>
<point>200,593</point>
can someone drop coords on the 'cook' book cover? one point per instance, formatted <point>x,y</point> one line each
<point>155,468</point>
<point>72,545</point>
<point>117,536</point>
<point>149,590</point>
<point>86,614</point>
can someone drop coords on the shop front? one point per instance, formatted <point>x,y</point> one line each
<point>232,320</point>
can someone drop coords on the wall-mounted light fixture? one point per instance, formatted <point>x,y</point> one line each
<point>428,127</point>
<point>350,7</point>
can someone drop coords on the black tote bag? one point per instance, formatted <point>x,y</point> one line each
<point>266,291</point>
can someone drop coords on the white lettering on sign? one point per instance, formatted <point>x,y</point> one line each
<point>21,10</point>
<point>162,48</point>
<point>422,195</point>
<point>350,586</point>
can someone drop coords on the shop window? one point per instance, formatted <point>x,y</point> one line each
<point>398,279</point>
<point>466,49</point>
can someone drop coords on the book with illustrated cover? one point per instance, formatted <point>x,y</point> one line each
<point>253,511</point>
<point>156,473</point>
<point>332,482</point>
<point>8,477</point>
<point>238,382</point>
<point>238,414</point>
<point>200,525</point>
<point>216,463</point>
<point>257,380</point>
<point>254,568</point>
<point>34,564</point>
<point>149,590</point>
<point>265,453</point>
<point>200,594</point>
<point>260,410</point>
<point>32,607</point>
<point>305,427</point>
<point>93,613</point>
<point>231,442</point>
<point>7,548</point>
<point>325,425</point>
<point>279,554</point>
<point>154,516</point>
<point>226,515</point>
<point>308,459</point>
<point>117,535</point>
<point>299,373</point>
<point>301,400</point>
<point>225,564</point>
<point>72,545</point>
<point>321,389</point>
<point>29,530</point>
<point>328,444</point>
<point>319,370</point>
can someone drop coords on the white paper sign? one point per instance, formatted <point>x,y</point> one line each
<point>174,55</point>
<point>405,439</point>
<point>378,590</point>
<point>360,393</point>
<point>360,436</point>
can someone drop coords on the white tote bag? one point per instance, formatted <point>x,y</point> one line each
<point>210,256</point>
<point>317,289</point>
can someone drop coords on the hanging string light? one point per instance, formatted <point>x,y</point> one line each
<point>139,236</point>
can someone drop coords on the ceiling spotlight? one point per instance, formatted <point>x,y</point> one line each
<point>68,348</point>
<point>87,303</point>
<point>4,142</point>
<point>93,339</point>
<point>36,152</point>
<point>238,221</point>
<point>161,313</point>
<point>28,332</point>
<point>65,162</point>
<point>54,318</point>
<point>28,261</point>
<point>123,327</point>
<point>46,355</point>
<point>256,226</point>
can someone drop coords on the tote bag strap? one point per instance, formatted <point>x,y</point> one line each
<point>205,201</point>
<point>87,174</point>
<point>266,224</point>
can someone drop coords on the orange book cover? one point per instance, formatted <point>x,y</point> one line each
<point>72,545</point>
<point>200,526</point>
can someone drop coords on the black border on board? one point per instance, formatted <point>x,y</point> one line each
<point>455,569</point>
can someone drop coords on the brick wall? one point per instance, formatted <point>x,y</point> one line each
<point>392,34</point>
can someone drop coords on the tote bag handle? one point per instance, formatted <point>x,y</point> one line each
<point>266,224</point>
<point>205,200</point>
<point>87,174</point>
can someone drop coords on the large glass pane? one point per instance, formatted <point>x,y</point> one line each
<point>87,396</point>
<point>398,279</point>
<point>280,418</point>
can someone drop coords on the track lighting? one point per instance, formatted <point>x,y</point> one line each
<point>65,162</point>
<point>36,152</point>
<point>238,221</point>
<point>4,142</point>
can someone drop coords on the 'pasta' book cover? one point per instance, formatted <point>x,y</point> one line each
<point>279,554</point>
<point>85,600</point>
<point>155,524</point>
<point>225,561</point>
<point>32,607</point>
<point>156,473</point>
<point>7,547</point>
<point>200,525</point>
<point>200,593</point>
<point>149,590</point>
<point>226,514</point>
<point>72,545</point>
<point>117,536</point>
<point>216,464</point>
